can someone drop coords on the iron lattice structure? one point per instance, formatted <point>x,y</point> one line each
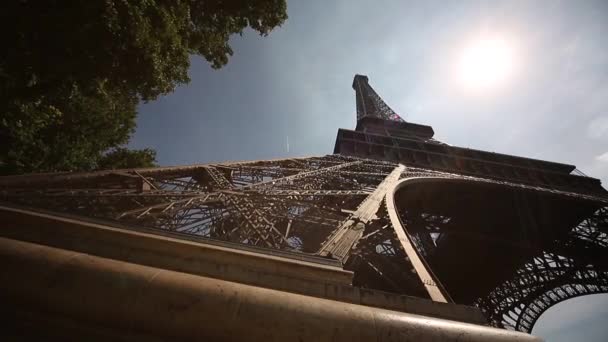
<point>369,103</point>
<point>510,244</point>
<point>301,206</point>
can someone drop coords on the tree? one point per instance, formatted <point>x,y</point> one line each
<point>143,46</point>
<point>66,130</point>
<point>72,72</point>
<point>123,158</point>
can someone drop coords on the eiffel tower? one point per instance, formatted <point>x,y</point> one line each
<point>393,236</point>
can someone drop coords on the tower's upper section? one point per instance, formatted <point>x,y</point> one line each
<point>375,116</point>
<point>382,134</point>
<point>369,103</point>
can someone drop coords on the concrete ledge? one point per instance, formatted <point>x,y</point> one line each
<point>109,295</point>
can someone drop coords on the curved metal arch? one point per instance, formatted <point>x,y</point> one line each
<point>526,310</point>
<point>524,314</point>
<point>557,284</point>
<point>526,326</point>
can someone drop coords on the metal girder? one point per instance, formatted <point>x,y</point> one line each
<point>59,192</point>
<point>175,204</point>
<point>254,218</point>
<point>301,175</point>
<point>345,236</point>
<point>311,192</point>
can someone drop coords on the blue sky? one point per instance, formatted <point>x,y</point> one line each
<point>295,85</point>
<point>579,319</point>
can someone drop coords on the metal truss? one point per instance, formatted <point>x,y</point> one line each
<point>369,103</point>
<point>291,204</point>
<point>332,206</point>
<point>573,267</point>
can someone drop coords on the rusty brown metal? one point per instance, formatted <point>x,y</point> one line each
<point>340,243</point>
<point>424,272</point>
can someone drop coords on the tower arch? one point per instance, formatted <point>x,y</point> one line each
<point>512,250</point>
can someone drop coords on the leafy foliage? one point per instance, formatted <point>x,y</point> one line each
<point>145,44</point>
<point>72,72</point>
<point>66,130</point>
<point>122,158</point>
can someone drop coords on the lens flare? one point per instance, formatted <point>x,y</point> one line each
<point>486,63</point>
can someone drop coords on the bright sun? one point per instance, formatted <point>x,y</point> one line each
<point>486,63</point>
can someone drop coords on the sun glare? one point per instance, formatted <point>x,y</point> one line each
<point>486,63</point>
